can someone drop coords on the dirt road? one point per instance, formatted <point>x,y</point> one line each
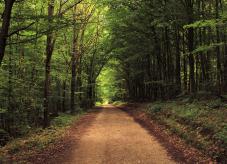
<point>115,138</point>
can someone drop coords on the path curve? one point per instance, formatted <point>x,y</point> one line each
<point>115,138</point>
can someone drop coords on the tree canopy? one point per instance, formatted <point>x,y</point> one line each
<point>65,55</point>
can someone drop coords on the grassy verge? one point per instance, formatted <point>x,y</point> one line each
<point>202,124</point>
<point>38,139</point>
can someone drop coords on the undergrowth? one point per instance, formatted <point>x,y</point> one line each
<point>203,124</point>
<point>38,139</point>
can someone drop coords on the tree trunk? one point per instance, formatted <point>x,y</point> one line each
<point>73,66</point>
<point>225,68</point>
<point>10,122</point>
<point>49,52</point>
<point>190,36</point>
<point>218,55</point>
<point>64,97</point>
<point>5,27</point>
<point>185,65</point>
<point>178,62</point>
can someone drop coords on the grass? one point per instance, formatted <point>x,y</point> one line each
<point>202,124</point>
<point>38,139</point>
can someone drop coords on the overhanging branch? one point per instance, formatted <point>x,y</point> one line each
<point>20,29</point>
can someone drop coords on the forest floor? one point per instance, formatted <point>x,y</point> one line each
<point>117,135</point>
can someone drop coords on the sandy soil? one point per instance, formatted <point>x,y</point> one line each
<point>115,138</point>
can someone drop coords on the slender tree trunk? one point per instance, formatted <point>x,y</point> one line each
<point>5,27</point>
<point>79,79</point>
<point>202,60</point>
<point>90,91</point>
<point>225,67</point>
<point>59,106</point>
<point>64,96</point>
<point>79,65</point>
<point>178,62</point>
<point>185,65</point>
<point>191,61</point>
<point>10,121</point>
<point>190,35</point>
<point>218,53</point>
<point>73,66</point>
<point>49,52</point>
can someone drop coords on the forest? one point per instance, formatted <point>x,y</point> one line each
<point>59,58</point>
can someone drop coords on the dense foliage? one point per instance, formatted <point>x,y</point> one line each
<point>61,56</point>
<point>54,52</point>
<point>170,47</point>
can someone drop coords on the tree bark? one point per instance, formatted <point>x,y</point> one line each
<point>190,35</point>
<point>49,51</point>
<point>73,64</point>
<point>225,67</point>
<point>64,96</point>
<point>218,55</point>
<point>5,27</point>
<point>178,62</point>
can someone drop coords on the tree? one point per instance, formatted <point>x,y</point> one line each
<point>5,26</point>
